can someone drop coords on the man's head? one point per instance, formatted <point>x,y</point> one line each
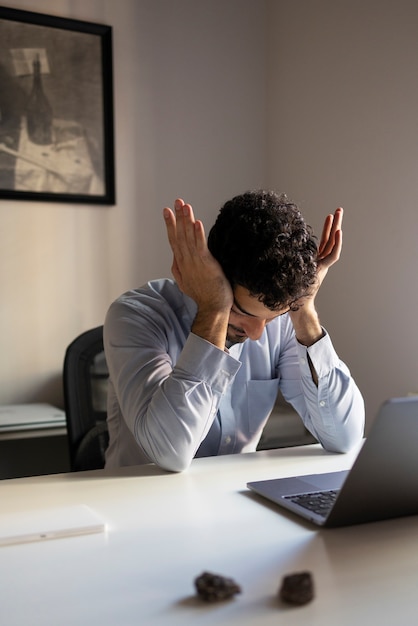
<point>264,245</point>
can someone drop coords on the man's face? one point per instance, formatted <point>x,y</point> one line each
<point>249,316</point>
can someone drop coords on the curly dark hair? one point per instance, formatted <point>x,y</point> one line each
<point>263,244</point>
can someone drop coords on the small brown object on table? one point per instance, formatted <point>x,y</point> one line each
<point>297,589</point>
<point>214,587</point>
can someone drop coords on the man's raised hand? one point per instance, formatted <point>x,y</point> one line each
<point>195,270</point>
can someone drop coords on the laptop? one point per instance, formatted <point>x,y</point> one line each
<point>382,483</point>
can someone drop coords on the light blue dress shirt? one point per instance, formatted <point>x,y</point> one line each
<point>173,395</point>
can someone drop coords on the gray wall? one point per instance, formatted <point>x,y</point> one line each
<point>343,104</point>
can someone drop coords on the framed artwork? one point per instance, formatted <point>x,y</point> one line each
<point>56,109</point>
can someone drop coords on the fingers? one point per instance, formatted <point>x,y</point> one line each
<point>331,239</point>
<point>175,224</point>
<point>186,235</point>
<point>170,223</point>
<point>325,233</point>
<point>335,252</point>
<point>197,273</point>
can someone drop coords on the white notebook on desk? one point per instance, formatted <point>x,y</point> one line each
<point>45,524</point>
<point>26,416</point>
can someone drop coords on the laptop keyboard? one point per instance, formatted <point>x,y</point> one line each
<point>320,502</point>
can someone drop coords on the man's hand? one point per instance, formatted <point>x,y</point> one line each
<point>331,243</point>
<point>305,320</point>
<point>198,273</point>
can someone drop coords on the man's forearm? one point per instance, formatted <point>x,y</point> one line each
<point>212,326</point>
<point>307,326</point>
<point>308,331</point>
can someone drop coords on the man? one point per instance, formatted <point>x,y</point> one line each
<point>195,364</point>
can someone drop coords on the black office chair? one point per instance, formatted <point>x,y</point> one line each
<point>85,377</point>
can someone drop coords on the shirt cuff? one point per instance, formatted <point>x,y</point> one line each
<point>206,362</point>
<point>322,355</point>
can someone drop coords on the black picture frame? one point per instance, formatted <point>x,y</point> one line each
<point>56,109</point>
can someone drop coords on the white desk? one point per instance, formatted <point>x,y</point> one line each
<point>165,529</point>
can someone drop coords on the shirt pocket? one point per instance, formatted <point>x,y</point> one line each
<point>261,397</point>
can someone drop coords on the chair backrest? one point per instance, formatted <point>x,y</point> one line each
<point>85,377</point>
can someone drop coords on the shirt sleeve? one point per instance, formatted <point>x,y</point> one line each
<point>333,411</point>
<point>169,409</point>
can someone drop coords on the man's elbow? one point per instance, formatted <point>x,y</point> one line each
<point>344,443</point>
<point>171,460</point>
<point>171,453</point>
<point>173,464</point>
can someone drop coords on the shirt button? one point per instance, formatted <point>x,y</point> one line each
<point>322,403</point>
<point>303,361</point>
<point>228,440</point>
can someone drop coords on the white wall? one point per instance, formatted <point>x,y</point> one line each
<point>343,110</point>
<point>189,121</point>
